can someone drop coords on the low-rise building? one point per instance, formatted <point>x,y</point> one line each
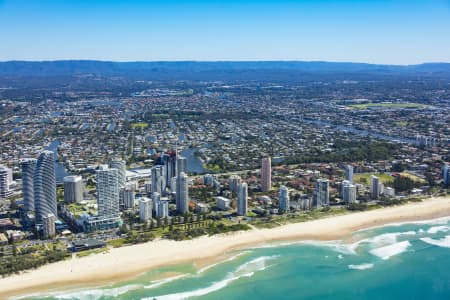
<point>223,203</point>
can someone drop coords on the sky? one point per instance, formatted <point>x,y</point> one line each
<point>372,31</point>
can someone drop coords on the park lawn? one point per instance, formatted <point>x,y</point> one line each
<point>92,251</point>
<point>365,177</point>
<point>141,125</point>
<point>117,242</point>
<point>213,168</point>
<point>413,177</point>
<point>402,123</point>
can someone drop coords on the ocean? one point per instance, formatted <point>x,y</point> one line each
<point>398,261</point>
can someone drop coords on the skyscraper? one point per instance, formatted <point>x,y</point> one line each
<point>321,193</point>
<point>374,187</point>
<point>10,176</point>
<point>126,198</point>
<point>182,193</point>
<point>349,192</point>
<point>44,183</point>
<point>446,175</point>
<point>284,204</point>
<point>349,173</point>
<point>121,167</point>
<point>158,185</point>
<point>242,204</point>
<point>169,161</point>
<point>266,174</point>
<point>73,189</point>
<point>343,183</point>
<point>4,184</point>
<point>28,166</point>
<point>48,227</point>
<point>162,209</point>
<point>156,197</point>
<point>145,209</point>
<point>107,192</point>
<point>234,182</point>
<point>181,165</point>
<point>148,187</point>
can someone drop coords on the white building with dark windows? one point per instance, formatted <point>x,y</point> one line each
<point>162,209</point>
<point>158,182</point>
<point>234,182</point>
<point>321,193</point>
<point>126,198</point>
<point>223,203</point>
<point>107,191</point>
<point>145,209</point>
<point>348,192</point>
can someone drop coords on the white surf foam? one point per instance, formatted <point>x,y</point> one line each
<point>82,294</point>
<point>361,266</point>
<point>387,252</point>
<point>337,246</point>
<point>274,245</point>
<point>381,240</point>
<point>231,258</point>
<point>437,221</point>
<point>161,282</point>
<point>444,242</point>
<point>246,270</point>
<point>378,241</point>
<point>436,229</point>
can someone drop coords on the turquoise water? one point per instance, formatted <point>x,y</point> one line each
<point>402,261</point>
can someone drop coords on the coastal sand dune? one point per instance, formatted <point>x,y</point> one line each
<point>126,262</point>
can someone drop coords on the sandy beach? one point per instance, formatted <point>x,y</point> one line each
<point>124,263</point>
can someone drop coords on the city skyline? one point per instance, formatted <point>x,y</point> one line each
<point>381,32</point>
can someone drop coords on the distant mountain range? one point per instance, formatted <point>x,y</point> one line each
<point>194,69</point>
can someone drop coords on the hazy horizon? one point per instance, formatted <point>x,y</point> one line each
<point>218,61</point>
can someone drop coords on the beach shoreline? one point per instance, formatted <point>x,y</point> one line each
<point>121,264</point>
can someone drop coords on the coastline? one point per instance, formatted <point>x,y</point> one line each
<point>124,263</point>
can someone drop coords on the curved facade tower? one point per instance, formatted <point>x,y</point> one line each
<point>121,167</point>
<point>44,186</point>
<point>28,166</point>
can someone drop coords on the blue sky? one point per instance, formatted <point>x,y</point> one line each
<point>374,31</point>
